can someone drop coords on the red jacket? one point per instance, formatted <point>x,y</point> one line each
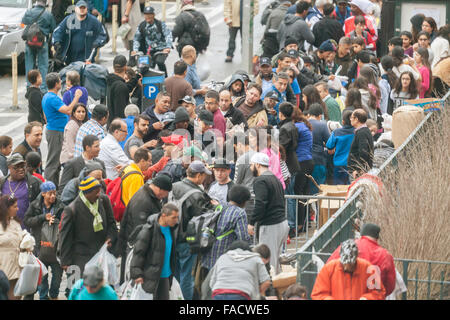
<point>332,283</point>
<point>349,26</point>
<point>371,251</point>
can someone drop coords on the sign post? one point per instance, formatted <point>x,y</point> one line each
<point>247,35</point>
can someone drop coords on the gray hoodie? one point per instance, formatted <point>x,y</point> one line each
<point>295,27</point>
<point>239,270</point>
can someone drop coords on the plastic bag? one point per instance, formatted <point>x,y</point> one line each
<point>175,292</point>
<point>137,293</point>
<point>29,278</point>
<point>49,237</point>
<point>108,263</point>
<point>203,66</point>
<point>123,30</point>
<point>125,290</point>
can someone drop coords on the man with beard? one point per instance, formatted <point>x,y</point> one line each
<point>264,78</point>
<point>141,124</point>
<point>252,107</point>
<point>236,87</point>
<point>20,185</point>
<point>269,208</point>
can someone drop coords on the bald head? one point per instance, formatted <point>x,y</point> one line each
<point>118,129</point>
<point>224,100</point>
<point>189,54</point>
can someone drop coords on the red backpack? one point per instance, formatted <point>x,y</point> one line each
<point>114,193</point>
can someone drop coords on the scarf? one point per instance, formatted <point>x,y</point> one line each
<point>93,208</point>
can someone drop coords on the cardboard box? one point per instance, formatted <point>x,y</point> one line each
<point>429,104</point>
<point>329,207</point>
<point>283,280</point>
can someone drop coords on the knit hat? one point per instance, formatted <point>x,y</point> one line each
<point>328,45</point>
<point>92,165</point>
<point>88,184</point>
<point>163,182</point>
<point>364,5</point>
<point>193,151</point>
<point>349,252</point>
<point>47,186</point>
<point>181,115</point>
<point>371,230</point>
<point>207,117</point>
<point>290,40</point>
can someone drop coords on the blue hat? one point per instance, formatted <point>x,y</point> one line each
<point>81,3</point>
<point>327,45</point>
<point>149,10</point>
<point>47,186</point>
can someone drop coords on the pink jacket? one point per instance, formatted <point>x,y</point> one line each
<point>274,164</point>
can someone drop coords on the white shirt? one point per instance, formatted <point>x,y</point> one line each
<point>440,48</point>
<point>112,154</point>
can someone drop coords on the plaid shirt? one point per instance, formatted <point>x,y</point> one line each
<point>90,127</point>
<point>234,218</point>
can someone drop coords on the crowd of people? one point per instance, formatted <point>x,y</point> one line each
<point>133,178</point>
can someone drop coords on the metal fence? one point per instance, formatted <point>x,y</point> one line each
<point>340,226</point>
<point>422,278</point>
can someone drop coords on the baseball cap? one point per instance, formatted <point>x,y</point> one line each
<point>99,111</point>
<point>92,276</point>
<point>81,3</point>
<point>265,61</point>
<point>260,158</point>
<point>221,163</point>
<point>173,138</point>
<point>272,95</point>
<point>193,151</point>
<point>168,117</point>
<point>181,115</point>
<point>207,117</point>
<point>293,53</point>
<point>120,61</point>
<point>14,159</point>
<point>187,99</point>
<point>199,167</point>
<point>149,10</point>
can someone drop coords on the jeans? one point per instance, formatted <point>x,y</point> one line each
<point>232,41</point>
<point>37,60</point>
<point>320,175</point>
<point>229,296</point>
<point>43,289</point>
<point>340,175</point>
<point>291,203</point>
<point>183,269</point>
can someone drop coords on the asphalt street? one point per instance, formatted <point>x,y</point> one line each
<point>13,120</point>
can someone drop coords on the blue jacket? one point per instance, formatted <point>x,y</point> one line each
<point>305,141</point>
<point>341,139</point>
<point>46,21</point>
<point>341,18</point>
<point>95,36</point>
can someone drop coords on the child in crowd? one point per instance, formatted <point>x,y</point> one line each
<point>407,39</point>
<point>33,160</point>
<point>405,89</point>
<point>34,97</point>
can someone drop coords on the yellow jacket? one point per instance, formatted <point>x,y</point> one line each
<point>132,183</point>
<point>231,11</point>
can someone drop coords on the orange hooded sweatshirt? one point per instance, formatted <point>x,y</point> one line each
<point>332,283</point>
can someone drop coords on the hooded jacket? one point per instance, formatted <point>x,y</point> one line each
<point>332,283</point>
<point>295,27</point>
<point>195,204</point>
<point>276,18</point>
<point>117,96</point>
<point>371,251</point>
<point>236,77</point>
<point>148,255</point>
<point>239,270</point>
<point>35,218</point>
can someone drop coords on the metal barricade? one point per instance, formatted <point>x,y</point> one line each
<point>411,271</point>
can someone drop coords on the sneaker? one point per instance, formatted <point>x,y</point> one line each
<point>229,59</point>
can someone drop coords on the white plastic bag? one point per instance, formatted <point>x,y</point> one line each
<point>175,292</point>
<point>203,66</point>
<point>29,277</point>
<point>125,290</point>
<point>108,263</point>
<point>137,293</point>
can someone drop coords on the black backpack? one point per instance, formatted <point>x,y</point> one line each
<point>33,35</point>
<point>200,31</point>
<point>200,231</point>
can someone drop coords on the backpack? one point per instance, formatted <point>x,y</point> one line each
<point>268,10</point>
<point>200,232</point>
<point>114,193</point>
<point>33,35</point>
<point>200,31</point>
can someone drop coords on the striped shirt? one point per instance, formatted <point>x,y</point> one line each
<point>232,218</point>
<point>90,127</point>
